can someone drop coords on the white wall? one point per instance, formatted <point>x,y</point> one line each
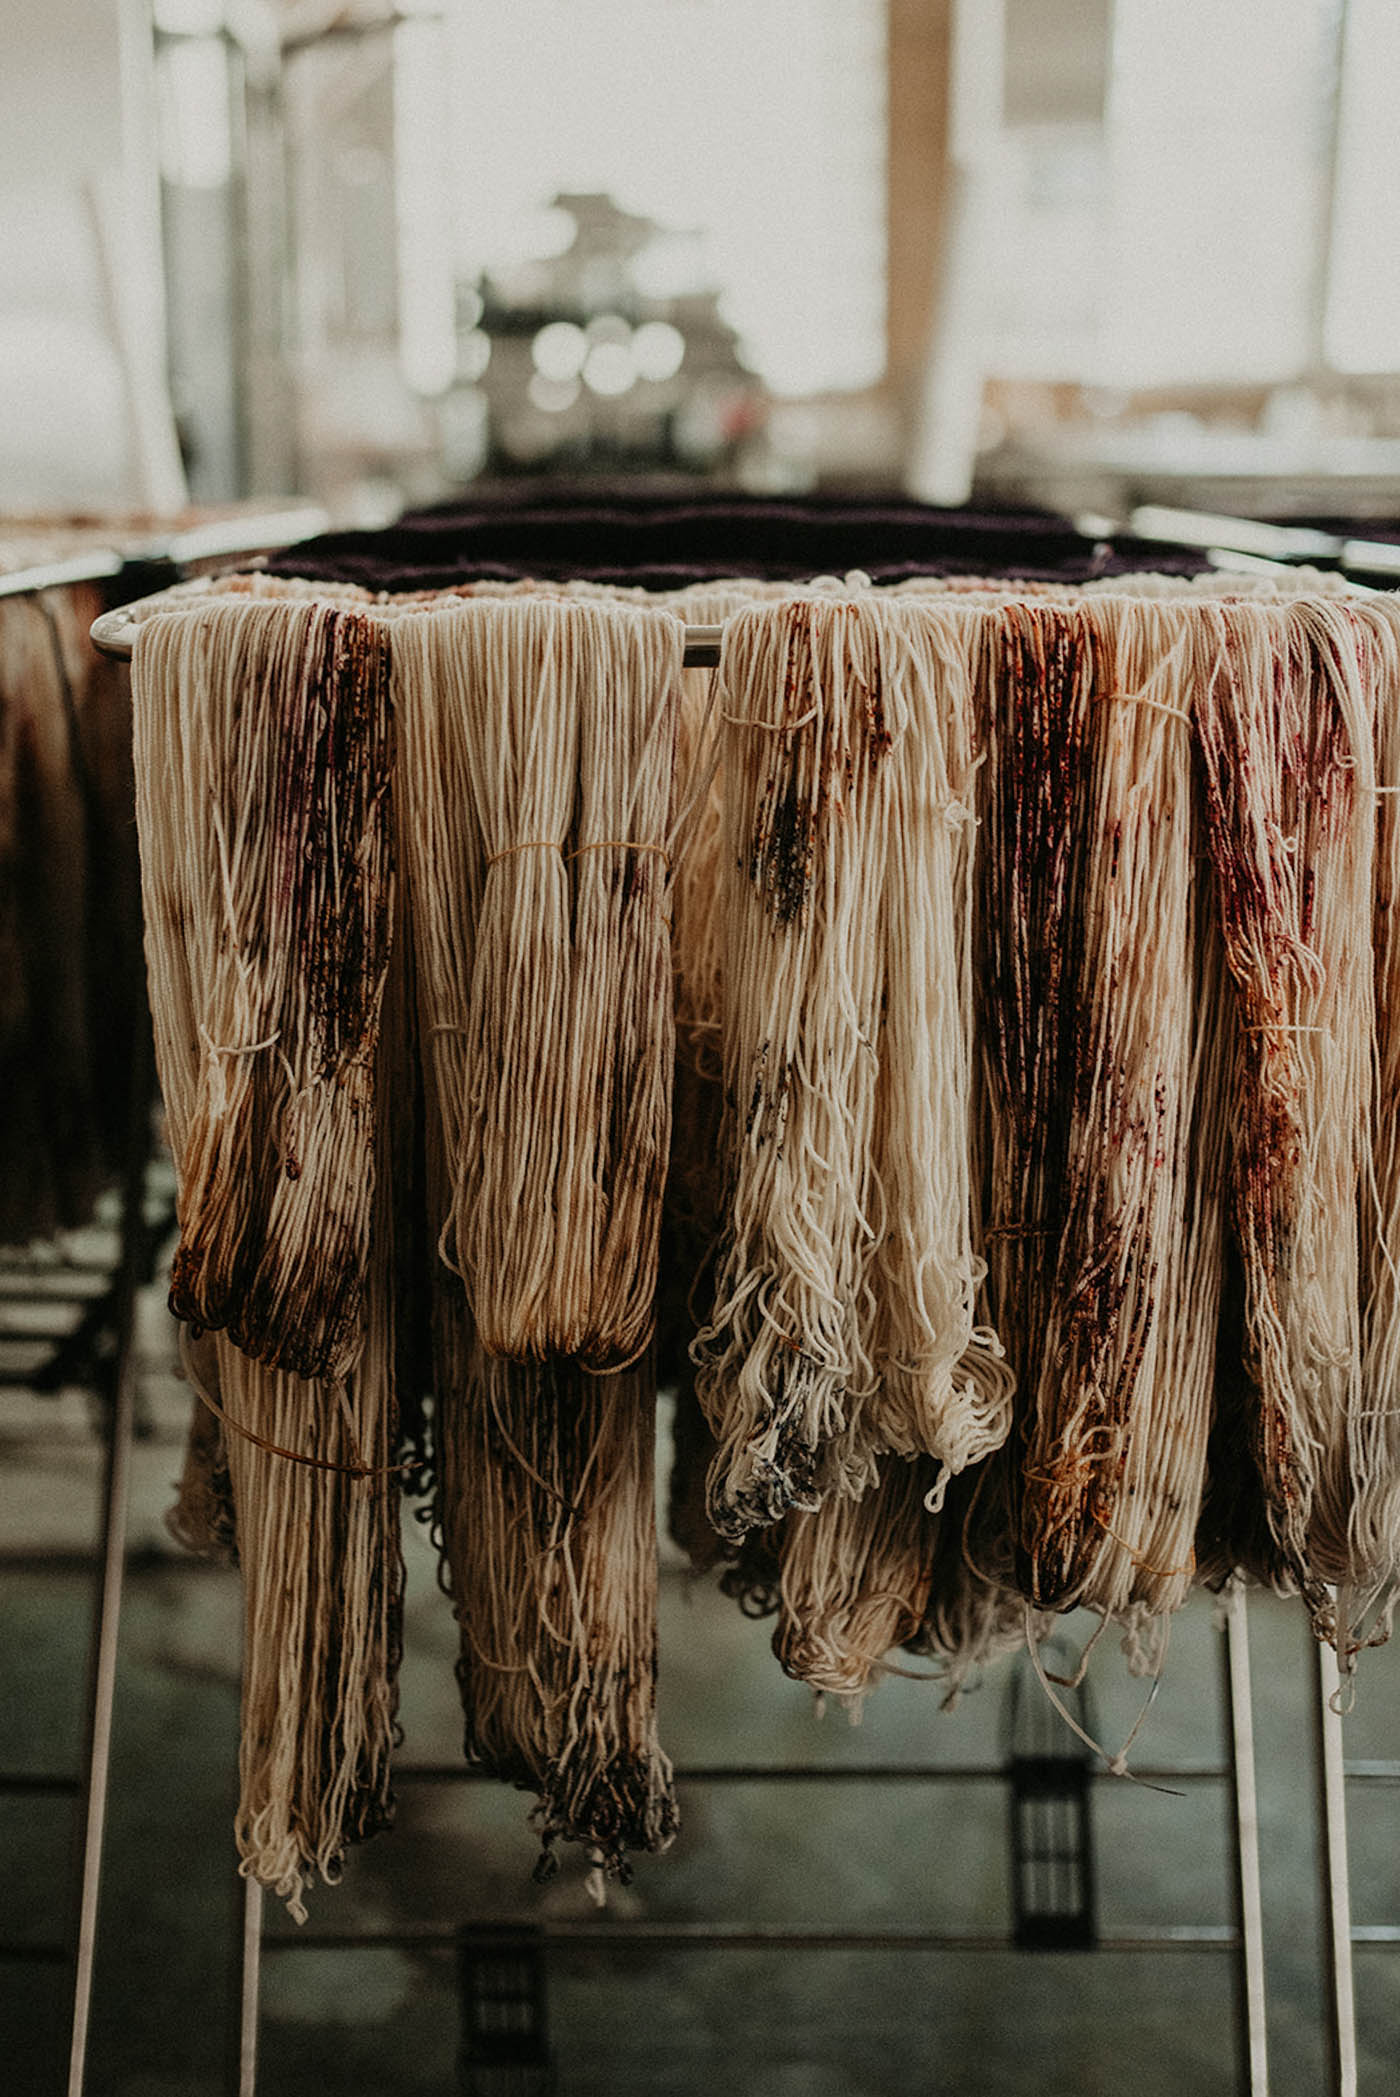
<point>83,419</point>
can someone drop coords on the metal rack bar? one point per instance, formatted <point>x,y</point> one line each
<point>22,1784</point>
<point>58,575</point>
<point>1251,2007</point>
<point>840,1773</point>
<point>1336,1886</point>
<point>708,1936</point>
<point>114,633</point>
<point>249,1985</point>
<point>1243,1936</point>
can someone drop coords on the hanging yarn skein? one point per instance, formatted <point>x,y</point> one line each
<point>1086,1023</point>
<point>854,1580</point>
<point>545,1500</point>
<point>264,751</point>
<point>221,767</point>
<point>558,720</point>
<point>945,1386</point>
<point>784,1364</point>
<point>1287,735</point>
<point>1373,1426</point>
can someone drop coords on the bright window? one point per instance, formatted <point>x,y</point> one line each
<point>1185,237</point>
<point>756,130</point>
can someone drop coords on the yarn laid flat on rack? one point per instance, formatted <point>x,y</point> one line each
<point>666,541</point>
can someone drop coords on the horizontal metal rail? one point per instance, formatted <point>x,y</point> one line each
<point>847,1773</point>
<point>697,1936</point>
<point>115,632</point>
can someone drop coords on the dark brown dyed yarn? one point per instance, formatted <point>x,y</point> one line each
<point>1029,969</point>
<point>265,751</point>
<point>1103,1210</point>
<point>1286,713</point>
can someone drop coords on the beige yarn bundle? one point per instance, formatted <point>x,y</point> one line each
<point>267,869</point>
<point>1372,1568</point>
<point>545,1496</point>
<point>855,1577</point>
<point>542,771</point>
<point>945,1386</point>
<point>547,1509</point>
<point>784,1359</point>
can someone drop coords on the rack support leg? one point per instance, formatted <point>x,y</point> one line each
<point>1336,1886</point>
<point>1251,2023</point>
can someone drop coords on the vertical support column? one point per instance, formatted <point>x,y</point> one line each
<point>1328,166</point>
<point>943,446</point>
<point>919,52</point>
<point>1251,2021</point>
<point>115,1502</point>
<point>249,1986</point>
<point>1336,1885</point>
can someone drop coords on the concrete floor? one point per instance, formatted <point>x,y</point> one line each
<point>639,2022</point>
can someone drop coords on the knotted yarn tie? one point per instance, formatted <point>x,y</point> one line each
<point>602,844</point>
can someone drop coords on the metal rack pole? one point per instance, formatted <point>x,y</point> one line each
<point>1251,2007</point>
<point>1336,1885</point>
<point>114,633</point>
<point>249,1988</point>
<point>115,1503</point>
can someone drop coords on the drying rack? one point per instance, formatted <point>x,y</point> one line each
<point>115,632</point>
<point>1242,1937</point>
<point>1233,544</point>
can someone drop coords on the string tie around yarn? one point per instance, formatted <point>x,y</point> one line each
<point>602,844</point>
<point>620,844</point>
<point>530,844</point>
<point>356,1469</point>
<point>1268,1027</point>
